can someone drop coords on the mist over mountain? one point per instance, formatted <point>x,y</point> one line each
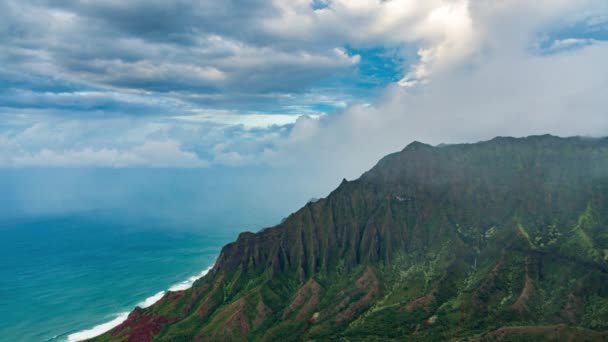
<point>504,239</point>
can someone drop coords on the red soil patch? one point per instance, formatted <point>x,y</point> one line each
<point>175,296</point>
<point>231,321</point>
<point>423,301</point>
<point>205,305</point>
<point>332,311</point>
<point>262,311</point>
<point>571,310</point>
<point>520,303</point>
<point>367,282</point>
<point>367,279</point>
<point>491,278</point>
<point>342,304</point>
<point>308,296</point>
<point>192,295</point>
<point>140,326</point>
<point>488,284</point>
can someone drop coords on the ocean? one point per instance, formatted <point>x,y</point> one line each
<point>80,249</point>
<point>63,275</point>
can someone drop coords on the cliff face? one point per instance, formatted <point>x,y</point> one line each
<point>502,239</point>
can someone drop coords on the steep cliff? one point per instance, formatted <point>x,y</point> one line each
<point>504,239</point>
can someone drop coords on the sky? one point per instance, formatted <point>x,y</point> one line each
<point>310,90</point>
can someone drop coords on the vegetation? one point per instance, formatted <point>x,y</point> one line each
<point>500,240</point>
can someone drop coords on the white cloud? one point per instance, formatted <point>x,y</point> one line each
<point>451,38</point>
<point>166,153</point>
<point>560,94</point>
<point>247,120</point>
<point>507,87</point>
<point>479,73</point>
<point>570,43</point>
<point>442,28</point>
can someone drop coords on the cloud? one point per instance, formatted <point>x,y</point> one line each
<point>513,89</point>
<point>570,43</point>
<point>561,94</point>
<point>248,121</point>
<point>157,154</point>
<point>161,46</point>
<point>176,49</point>
<point>442,28</point>
<point>184,83</point>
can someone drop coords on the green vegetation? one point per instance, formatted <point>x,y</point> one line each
<point>500,240</point>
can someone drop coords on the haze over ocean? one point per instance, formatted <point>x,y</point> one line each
<point>93,244</point>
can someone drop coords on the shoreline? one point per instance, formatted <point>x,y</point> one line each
<point>119,318</point>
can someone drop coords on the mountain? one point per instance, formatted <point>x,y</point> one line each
<point>500,240</point>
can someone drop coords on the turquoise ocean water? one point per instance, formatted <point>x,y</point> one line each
<point>80,249</point>
<point>61,275</point>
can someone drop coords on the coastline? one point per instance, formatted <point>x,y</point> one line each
<point>119,318</point>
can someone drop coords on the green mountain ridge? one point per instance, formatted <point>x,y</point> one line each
<point>499,240</point>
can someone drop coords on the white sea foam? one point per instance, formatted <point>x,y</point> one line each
<point>186,284</point>
<point>98,329</point>
<point>102,328</point>
<point>151,300</point>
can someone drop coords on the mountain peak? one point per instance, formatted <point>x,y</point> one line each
<point>471,241</point>
<point>416,145</point>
